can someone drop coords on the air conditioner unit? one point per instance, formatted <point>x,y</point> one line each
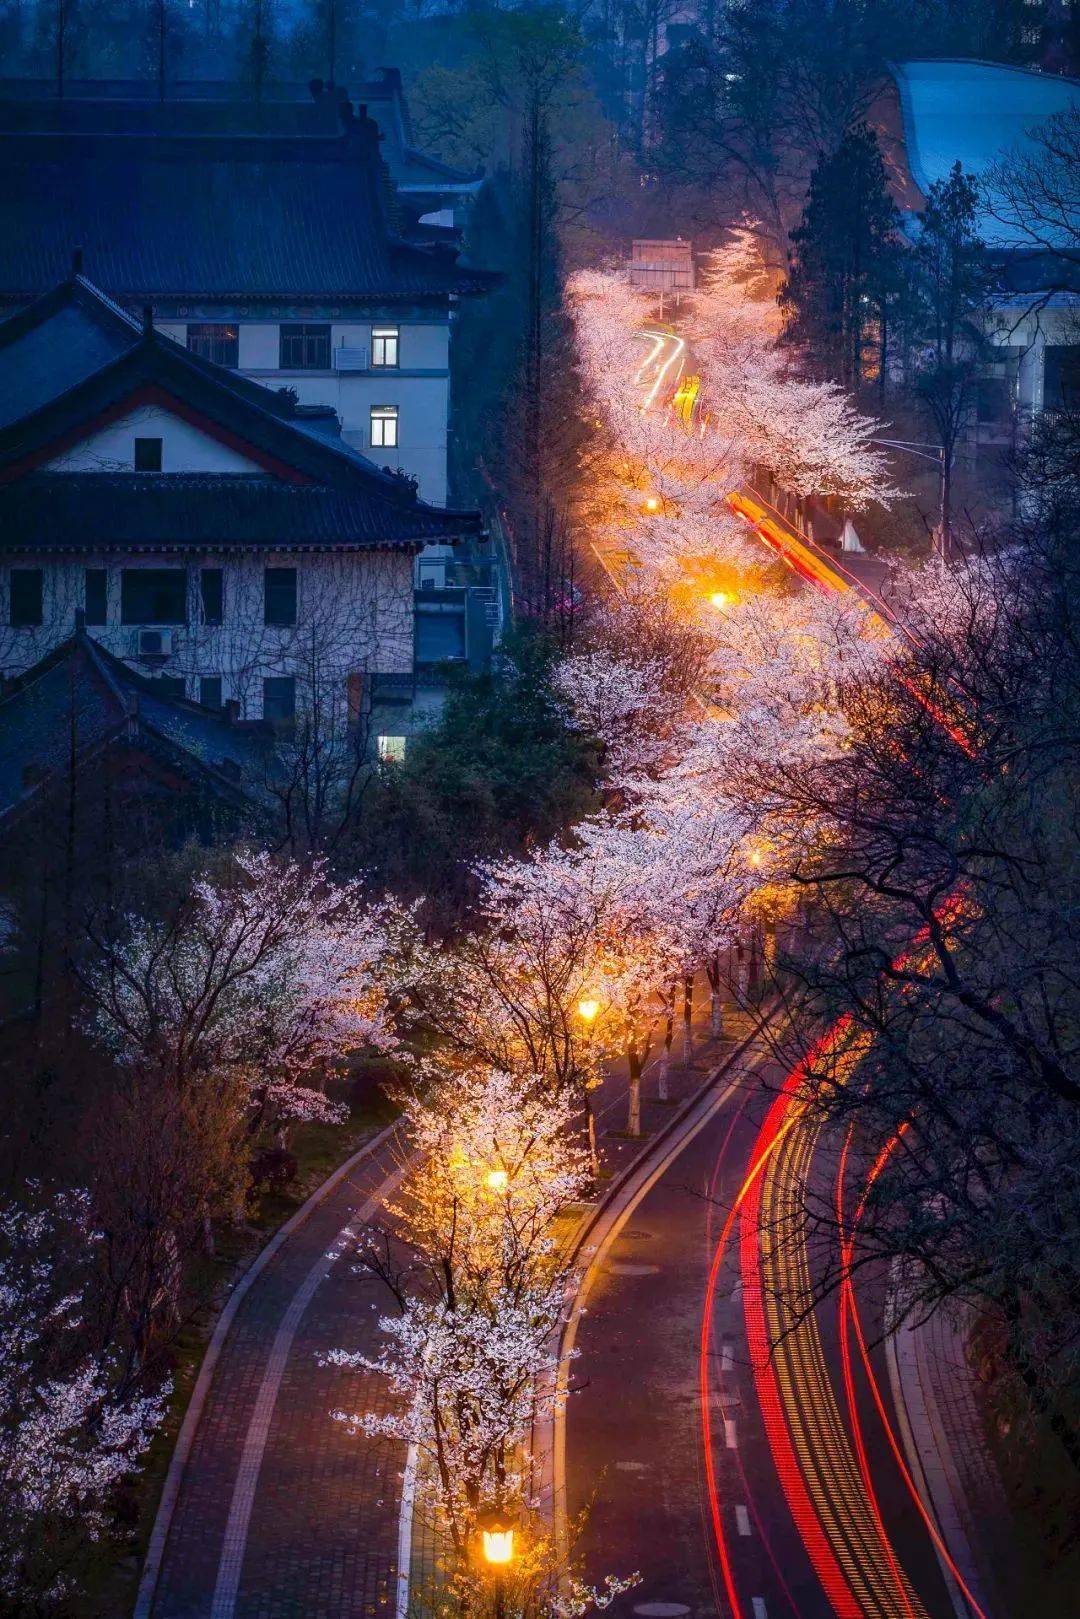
<point>348,358</point>
<point>155,643</point>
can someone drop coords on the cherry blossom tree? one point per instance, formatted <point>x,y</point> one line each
<point>259,980</point>
<point>68,1436</point>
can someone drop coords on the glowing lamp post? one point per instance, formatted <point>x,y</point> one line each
<point>497,1536</point>
<point>497,1545</point>
<point>652,504</point>
<point>497,1180</point>
<point>588,1010</point>
<point>719,599</point>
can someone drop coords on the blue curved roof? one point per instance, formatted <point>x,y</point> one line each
<point>977,113</point>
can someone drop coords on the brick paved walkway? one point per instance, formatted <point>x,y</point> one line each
<point>281,1513</point>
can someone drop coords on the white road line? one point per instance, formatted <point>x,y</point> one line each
<point>742,1520</point>
<point>730,1439</point>
<point>155,1552</point>
<point>223,1605</point>
<point>760,1610</point>
<point>627,1200</point>
<point>727,1358</point>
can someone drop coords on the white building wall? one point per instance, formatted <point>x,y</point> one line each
<point>184,448</point>
<point>419,386</point>
<point>354,616</point>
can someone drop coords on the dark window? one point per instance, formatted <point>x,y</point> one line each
<point>153,596</point>
<point>439,636</point>
<point>96,595</point>
<point>26,596</point>
<point>279,698</point>
<point>305,347</point>
<point>211,341</point>
<point>1061,382</point>
<point>210,691</point>
<point>147,455</point>
<point>212,590</point>
<point>994,399</point>
<point>279,596</point>
<point>169,686</point>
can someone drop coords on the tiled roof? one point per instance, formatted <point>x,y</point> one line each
<point>73,356</point>
<point>111,701</point>
<point>95,511</point>
<point>243,218</point>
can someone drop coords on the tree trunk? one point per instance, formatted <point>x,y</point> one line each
<point>688,1018</point>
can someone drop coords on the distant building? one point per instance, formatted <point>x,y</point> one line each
<point>214,536</point>
<point>283,239</point>
<point>932,114</point>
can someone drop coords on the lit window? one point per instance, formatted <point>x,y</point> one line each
<point>384,345</point>
<point>384,426</point>
<point>212,341</point>
<point>391,749</point>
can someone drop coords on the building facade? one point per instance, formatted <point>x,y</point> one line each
<point>220,539</point>
<point>270,239</point>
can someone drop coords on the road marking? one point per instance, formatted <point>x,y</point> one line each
<point>155,1553</point>
<point>636,1189</point>
<point>727,1358</point>
<point>661,1610</point>
<point>632,1270</point>
<point>729,1433</point>
<point>742,1520</point>
<point>630,1467</point>
<point>223,1603</point>
<point>760,1610</point>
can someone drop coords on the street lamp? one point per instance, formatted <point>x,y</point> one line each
<point>719,599</point>
<point>652,504</point>
<point>937,454</point>
<point>497,1180</point>
<point>588,1009</point>
<point>497,1536</point>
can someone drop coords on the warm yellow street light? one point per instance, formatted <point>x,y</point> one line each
<point>652,504</point>
<point>719,599</point>
<point>497,1536</point>
<point>498,1180</point>
<point>588,1010</point>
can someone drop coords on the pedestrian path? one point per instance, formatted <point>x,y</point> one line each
<point>280,1512</point>
<point>936,1393</point>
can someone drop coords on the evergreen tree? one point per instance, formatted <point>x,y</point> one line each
<point>838,278</point>
<point>955,284</point>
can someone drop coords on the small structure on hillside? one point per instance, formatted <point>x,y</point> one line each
<point>662,267</point>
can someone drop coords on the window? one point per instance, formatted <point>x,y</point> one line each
<point>439,636</point>
<point>1061,381</point>
<point>391,749</point>
<point>212,595</point>
<point>305,347</point>
<point>153,596</point>
<point>279,699</point>
<point>210,691</point>
<point>384,427</point>
<point>211,341</point>
<point>384,345</point>
<point>170,686</point>
<point>279,596</point>
<point>97,581</point>
<point>27,592</point>
<point>147,455</point>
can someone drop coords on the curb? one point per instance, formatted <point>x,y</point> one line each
<point>185,1439</point>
